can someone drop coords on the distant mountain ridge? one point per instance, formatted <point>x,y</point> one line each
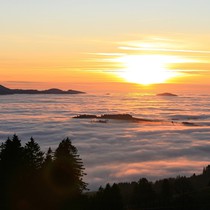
<point>7,91</point>
<point>166,94</point>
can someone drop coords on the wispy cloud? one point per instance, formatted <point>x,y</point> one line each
<point>163,50</point>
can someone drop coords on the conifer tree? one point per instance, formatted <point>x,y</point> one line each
<point>68,169</point>
<point>48,157</point>
<point>143,195</point>
<point>11,165</point>
<point>11,152</point>
<point>33,155</point>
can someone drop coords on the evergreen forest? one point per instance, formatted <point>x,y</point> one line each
<point>31,179</point>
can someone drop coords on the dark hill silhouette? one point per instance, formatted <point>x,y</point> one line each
<point>126,117</point>
<point>8,91</point>
<point>4,90</point>
<point>104,118</point>
<point>166,94</point>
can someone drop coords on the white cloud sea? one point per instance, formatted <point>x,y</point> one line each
<point>117,150</point>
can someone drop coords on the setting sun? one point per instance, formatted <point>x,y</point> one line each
<point>147,69</point>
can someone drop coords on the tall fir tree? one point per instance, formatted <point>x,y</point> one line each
<point>11,169</point>
<point>33,155</point>
<point>49,156</point>
<point>69,169</point>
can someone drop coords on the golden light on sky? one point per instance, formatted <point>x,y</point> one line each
<point>155,60</point>
<point>147,69</point>
<point>143,42</point>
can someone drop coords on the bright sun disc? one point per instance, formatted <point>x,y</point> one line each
<point>147,69</point>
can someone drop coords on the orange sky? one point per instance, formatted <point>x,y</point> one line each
<point>74,42</point>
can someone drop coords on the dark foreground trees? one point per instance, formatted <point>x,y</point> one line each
<point>30,179</point>
<point>33,180</point>
<point>106,198</point>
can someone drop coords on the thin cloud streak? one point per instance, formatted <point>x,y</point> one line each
<point>163,50</point>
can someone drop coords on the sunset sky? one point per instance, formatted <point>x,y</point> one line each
<point>70,42</point>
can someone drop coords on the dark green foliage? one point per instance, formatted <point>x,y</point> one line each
<point>11,155</point>
<point>107,198</point>
<point>166,190</point>
<point>49,157</point>
<point>206,170</point>
<point>11,166</point>
<point>180,193</point>
<point>33,155</point>
<point>126,190</point>
<point>143,195</point>
<point>30,181</point>
<point>182,185</point>
<point>68,168</point>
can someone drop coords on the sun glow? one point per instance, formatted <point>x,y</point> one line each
<point>147,69</point>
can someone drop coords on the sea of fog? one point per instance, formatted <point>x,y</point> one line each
<point>176,143</point>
